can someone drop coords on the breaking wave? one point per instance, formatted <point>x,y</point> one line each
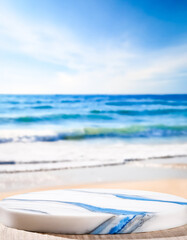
<point>146,131</point>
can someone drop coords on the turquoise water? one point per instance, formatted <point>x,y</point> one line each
<point>97,116</point>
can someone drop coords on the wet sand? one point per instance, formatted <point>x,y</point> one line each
<point>141,175</point>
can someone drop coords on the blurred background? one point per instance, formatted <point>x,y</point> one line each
<point>92,91</point>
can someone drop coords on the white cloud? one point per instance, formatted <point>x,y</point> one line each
<point>103,68</point>
<point>24,80</point>
<point>142,73</point>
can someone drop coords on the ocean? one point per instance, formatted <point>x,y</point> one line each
<point>44,132</point>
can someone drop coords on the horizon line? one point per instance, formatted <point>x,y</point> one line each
<point>92,94</point>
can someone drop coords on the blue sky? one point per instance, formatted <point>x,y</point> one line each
<point>93,46</point>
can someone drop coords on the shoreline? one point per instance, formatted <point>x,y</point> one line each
<point>178,161</point>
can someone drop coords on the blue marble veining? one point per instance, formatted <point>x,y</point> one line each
<point>30,210</point>
<point>122,223</point>
<point>84,211</point>
<point>125,196</point>
<point>102,226</point>
<point>135,223</point>
<point>86,206</point>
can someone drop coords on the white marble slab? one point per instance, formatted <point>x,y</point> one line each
<point>93,211</point>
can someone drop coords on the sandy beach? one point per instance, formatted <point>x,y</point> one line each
<point>144,175</point>
<point>171,186</point>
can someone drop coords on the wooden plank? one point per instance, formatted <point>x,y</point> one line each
<point>180,232</point>
<point>14,234</point>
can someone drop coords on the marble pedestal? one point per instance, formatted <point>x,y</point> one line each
<point>93,211</point>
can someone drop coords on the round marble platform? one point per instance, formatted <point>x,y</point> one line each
<point>93,211</point>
